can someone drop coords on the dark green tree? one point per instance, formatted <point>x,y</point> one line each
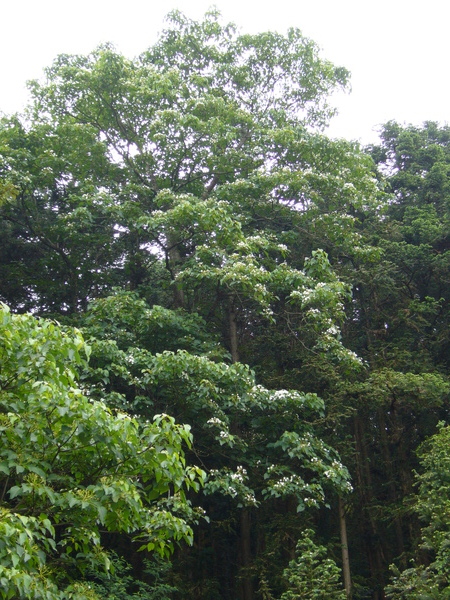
<point>399,325</point>
<point>429,576</point>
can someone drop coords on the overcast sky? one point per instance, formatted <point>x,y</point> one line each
<point>398,51</point>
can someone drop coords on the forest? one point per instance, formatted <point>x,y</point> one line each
<point>225,339</point>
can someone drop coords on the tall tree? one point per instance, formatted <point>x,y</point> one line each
<point>399,325</point>
<point>257,446</point>
<point>204,107</point>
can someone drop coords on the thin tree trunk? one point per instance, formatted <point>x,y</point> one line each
<point>173,261</point>
<point>232,329</point>
<point>369,526</point>
<point>344,546</point>
<point>245,521</point>
<point>392,479</point>
<point>246,556</point>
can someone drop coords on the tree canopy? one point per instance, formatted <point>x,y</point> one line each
<point>227,334</point>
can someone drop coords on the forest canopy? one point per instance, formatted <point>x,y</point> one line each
<point>225,357</point>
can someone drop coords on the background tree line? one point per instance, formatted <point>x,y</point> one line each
<point>266,316</point>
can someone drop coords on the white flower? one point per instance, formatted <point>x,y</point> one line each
<point>281,394</point>
<point>332,331</point>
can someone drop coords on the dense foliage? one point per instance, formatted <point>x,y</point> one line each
<point>429,575</point>
<point>72,470</point>
<point>266,314</point>
<point>311,575</point>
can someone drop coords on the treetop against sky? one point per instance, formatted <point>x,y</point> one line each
<point>394,76</point>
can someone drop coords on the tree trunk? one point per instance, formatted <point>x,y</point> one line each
<point>246,556</point>
<point>245,521</point>
<point>392,482</point>
<point>344,546</point>
<point>369,526</point>
<point>173,261</point>
<point>232,329</point>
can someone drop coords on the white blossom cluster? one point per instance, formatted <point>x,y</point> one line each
<point>284,481</point>
<point>332,331</point>
<point>233,483</point>
<point>271,468</point>
<point>281,395</point>
<point>310,502</point>
<point>240,474</point>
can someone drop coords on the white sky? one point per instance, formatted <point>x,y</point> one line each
<point>398,51</point>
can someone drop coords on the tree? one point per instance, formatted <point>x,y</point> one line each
<point>398,323</point>
<point>258,446</point>
<point>59,246</point>
<point>311,574</point>
<point>429,577</point>
<point>72,470</point>
<point>203,108</point>
<point>189,141</point>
